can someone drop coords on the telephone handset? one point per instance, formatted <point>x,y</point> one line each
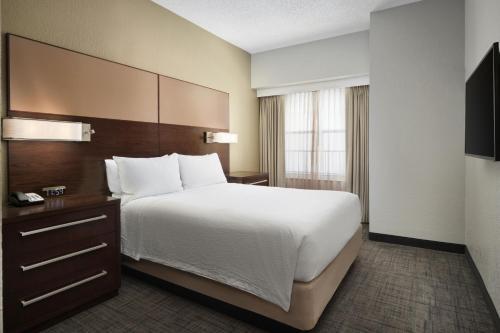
<point>20,199</point>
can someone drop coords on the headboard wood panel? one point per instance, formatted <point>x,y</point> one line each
<point>123,104</point>
<point>78,165</point>
<point>188,140</point>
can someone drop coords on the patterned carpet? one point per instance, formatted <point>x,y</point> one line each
<point>390,288</point>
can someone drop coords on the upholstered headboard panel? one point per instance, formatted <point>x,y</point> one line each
<point>48,79</point>
<point>184,103</point>
<point>134,113</point>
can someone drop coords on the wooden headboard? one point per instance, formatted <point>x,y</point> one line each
<point>135,113</point>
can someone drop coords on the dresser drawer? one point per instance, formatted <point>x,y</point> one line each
<point>42,233</point>
<point>61,262</point>
<point>58,258</point>
<point>25,311</point>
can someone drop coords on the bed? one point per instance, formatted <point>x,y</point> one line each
<point>278,252</point>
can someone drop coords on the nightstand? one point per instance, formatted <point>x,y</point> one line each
<point>59,257</point>
<point>248,177</point>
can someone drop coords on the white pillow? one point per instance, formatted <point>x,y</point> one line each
<point>140,177</point>
<point>201,170</point>
<point>113,177</point>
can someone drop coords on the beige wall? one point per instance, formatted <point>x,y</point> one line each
<point>144,35</point>
<point>482,177</point>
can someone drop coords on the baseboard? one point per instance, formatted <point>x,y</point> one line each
<point>426,244</point>
<point>486,294</point>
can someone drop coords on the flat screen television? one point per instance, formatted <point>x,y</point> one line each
<point>482,108</point>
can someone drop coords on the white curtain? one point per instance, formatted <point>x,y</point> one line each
<point>299,134</point>
<point>315,145</point>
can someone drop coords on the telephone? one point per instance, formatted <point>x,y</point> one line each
<point>20,199</point>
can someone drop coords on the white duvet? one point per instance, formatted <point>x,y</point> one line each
<point>255,238</point>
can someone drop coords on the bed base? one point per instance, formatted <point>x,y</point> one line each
<point>308,301</point>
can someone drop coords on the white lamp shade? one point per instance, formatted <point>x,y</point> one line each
<point>222,137</point>
<point>44,130</point>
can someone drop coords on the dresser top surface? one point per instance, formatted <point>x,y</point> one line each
<point>243,174</point>
<point>55,205</point>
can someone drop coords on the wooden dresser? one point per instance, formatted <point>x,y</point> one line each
<point>248,177</point>
<point>58,258</point>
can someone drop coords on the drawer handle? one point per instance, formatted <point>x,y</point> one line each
<point>259,182</point>
<point>60,226</point>
<point>60,290</point>
<point>66,256</point>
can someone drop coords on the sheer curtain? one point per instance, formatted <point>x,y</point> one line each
<point>315,147</point>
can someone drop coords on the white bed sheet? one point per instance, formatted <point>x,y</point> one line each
<point>255,238</point>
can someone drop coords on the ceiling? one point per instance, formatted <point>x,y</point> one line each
<point>260,25</point>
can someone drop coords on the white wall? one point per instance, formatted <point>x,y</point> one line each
<point>327,59</point>
<point>482,187</point>
<point>417,121</point>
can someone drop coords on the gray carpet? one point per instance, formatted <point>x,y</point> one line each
<point>390,288</point>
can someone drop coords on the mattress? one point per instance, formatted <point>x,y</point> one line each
<point>254,238</point>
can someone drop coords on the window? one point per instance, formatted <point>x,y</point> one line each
<point>315,138</point>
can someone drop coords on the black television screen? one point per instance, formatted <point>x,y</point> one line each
<point>481,108</point>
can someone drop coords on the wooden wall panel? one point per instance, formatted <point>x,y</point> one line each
<point>188,104</point>
<point>33,165</point>
<point>188,140</point>
<point>120,103</point>
<point>48,79</point>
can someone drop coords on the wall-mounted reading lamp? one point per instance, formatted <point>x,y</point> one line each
<point>45,130</point>
<point>221,137</point>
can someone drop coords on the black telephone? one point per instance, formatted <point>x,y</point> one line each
<point>20,199</point>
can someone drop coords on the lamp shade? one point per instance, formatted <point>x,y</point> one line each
<point>221,137</point>
<point>44,130</point>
